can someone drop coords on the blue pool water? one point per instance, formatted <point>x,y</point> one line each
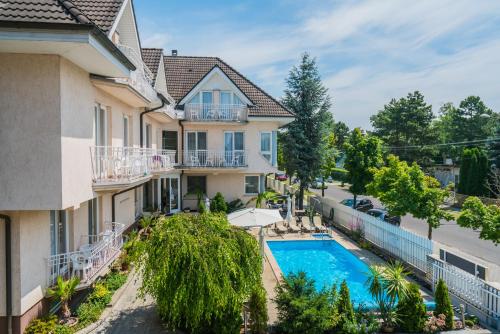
<point>328,263</point>
<point>325,261</point>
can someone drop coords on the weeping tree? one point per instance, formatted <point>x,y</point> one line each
<point>308,99</point>
<point>200,271</point>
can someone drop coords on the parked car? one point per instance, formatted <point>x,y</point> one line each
<point>384,216</point>
<point>329,179</point>
<point>318,183</point>
<point>362,204</point>
<point>281,176</point>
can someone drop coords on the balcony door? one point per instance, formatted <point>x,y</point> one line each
<point>100,125</point>
<point>169,141</point>
<point>207,100</point>
<point>58,232</point>
<point>170,194</point>
<point>234,148</point>
<point>196,152</point>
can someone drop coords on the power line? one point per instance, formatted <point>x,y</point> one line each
<point>462,143</point>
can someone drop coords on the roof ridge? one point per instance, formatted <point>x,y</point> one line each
<point>76,12</point>
<point>206,57</point>
<point>256,86</point>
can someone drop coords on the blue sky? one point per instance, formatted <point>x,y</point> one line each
<point>368,51</point>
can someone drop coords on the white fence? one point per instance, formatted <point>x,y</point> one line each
<point>469,288</point>
<point>407,246</point>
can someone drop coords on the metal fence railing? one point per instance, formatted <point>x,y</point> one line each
<point>94,253</point>
<point>214,159</point>
<point>119,164</point>
<point>203,112</point>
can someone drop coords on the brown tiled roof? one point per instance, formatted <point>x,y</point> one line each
<point>183,73</point>
<point>40,11</point>
<point>101,13</point>
<point>152,58</point>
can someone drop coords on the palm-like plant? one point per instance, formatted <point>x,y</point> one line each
<point>387,285</point>
<point>63,291</point>
<point>262,198</point>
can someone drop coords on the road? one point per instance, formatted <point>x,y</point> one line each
<point>449,233</point>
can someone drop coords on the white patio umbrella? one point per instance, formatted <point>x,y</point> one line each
<point>288,209</point>
<point>254,217</point>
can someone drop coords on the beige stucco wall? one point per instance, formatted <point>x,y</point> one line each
<point>30,166</point>
<point>124,208</point>
<point>30,249</point>
<point>2,268</point>
<point>252,130</point>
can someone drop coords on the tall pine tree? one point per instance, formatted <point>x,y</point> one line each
<point>308,99</point>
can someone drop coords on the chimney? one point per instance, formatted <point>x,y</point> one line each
<point>174,53</point>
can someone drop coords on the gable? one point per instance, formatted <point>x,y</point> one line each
<point>185,72</point>
<point>126,28</point>
<point>216,79</point>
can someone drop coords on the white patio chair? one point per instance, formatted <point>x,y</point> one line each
<point>194,160</point>
<point>80,263</point>
<point>318,224</point>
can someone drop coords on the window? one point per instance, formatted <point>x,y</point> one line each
<point>58,232</point>
<point>265,145</point>
<point>125,131</point>
<point>196,184</point>
<point>225,97</point>
<point>234,147</point>
<point>149,136</point>
<point>93,220</point>
<point>196,141</point>
<point>100,125</point>
<point>251,185</point>
<point>206,97</point>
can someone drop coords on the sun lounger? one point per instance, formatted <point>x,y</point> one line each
<point>318,224</point>
<point>280,228</point>
<point>293,227</point>
<point>307,226</point>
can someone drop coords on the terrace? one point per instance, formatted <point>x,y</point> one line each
<point>93,256</point>
<point>115,166</point>
<point>214,159</point>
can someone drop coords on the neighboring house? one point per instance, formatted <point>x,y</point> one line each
<point>446,173</point>
<point>229,129</point>
<point>97,130</point>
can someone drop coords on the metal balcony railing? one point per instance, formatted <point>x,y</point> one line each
<point>214,159</point>
<point>142,78</point>
<point>93,255</point>
<point>202,112</point>
<point>112,164</point>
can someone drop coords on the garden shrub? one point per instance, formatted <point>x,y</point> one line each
<point>218,204</point>
<point>411,310</point>
<point>115,280</point>
<point>339,174</point>
<point>435,324</point>
<point>301,309</point>
<point>200,270</point>
<point>100,295</point>
<point>42,326</point>
<point>344,305</point>
<point>88,313</point>
<point>443,303</point>
<point>364,323</point>
<point>257,305</point>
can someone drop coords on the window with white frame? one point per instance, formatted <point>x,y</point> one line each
<point>266,145</point>
<point>125,131</point>
<point>58,232</point>
<point>100,125</point>
<point>252,184</point>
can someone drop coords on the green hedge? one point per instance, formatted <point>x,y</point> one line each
<point>339,174</point>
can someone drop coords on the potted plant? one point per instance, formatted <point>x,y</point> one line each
<point>63,291</point>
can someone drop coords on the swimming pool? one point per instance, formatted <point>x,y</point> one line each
<point>325,261</point>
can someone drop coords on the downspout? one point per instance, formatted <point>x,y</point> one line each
<point>181,161</point>
<point>141,117</point>
<point>8,272</point>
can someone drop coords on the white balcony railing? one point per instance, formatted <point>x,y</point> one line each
<point>142,78</point>
<point>214,159</point>
<point>202,112</point>
<point>124,164</point>
<point>93,255</point>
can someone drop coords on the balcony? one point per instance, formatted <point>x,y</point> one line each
<point>214,159</point>
<point>197,112</point>
<point>142,78</point>
<point>94,256</point>
<point>114,166</point>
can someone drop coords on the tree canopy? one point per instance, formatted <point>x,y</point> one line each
<point>479,216</point>
<point>474,172</point>
<point>406,122</point>
<point>308,99</point>
<point>200,270</point>
<point>406,189</point>
<point>363,153</point>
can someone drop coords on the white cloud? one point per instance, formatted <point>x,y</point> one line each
<point>157,40</point>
